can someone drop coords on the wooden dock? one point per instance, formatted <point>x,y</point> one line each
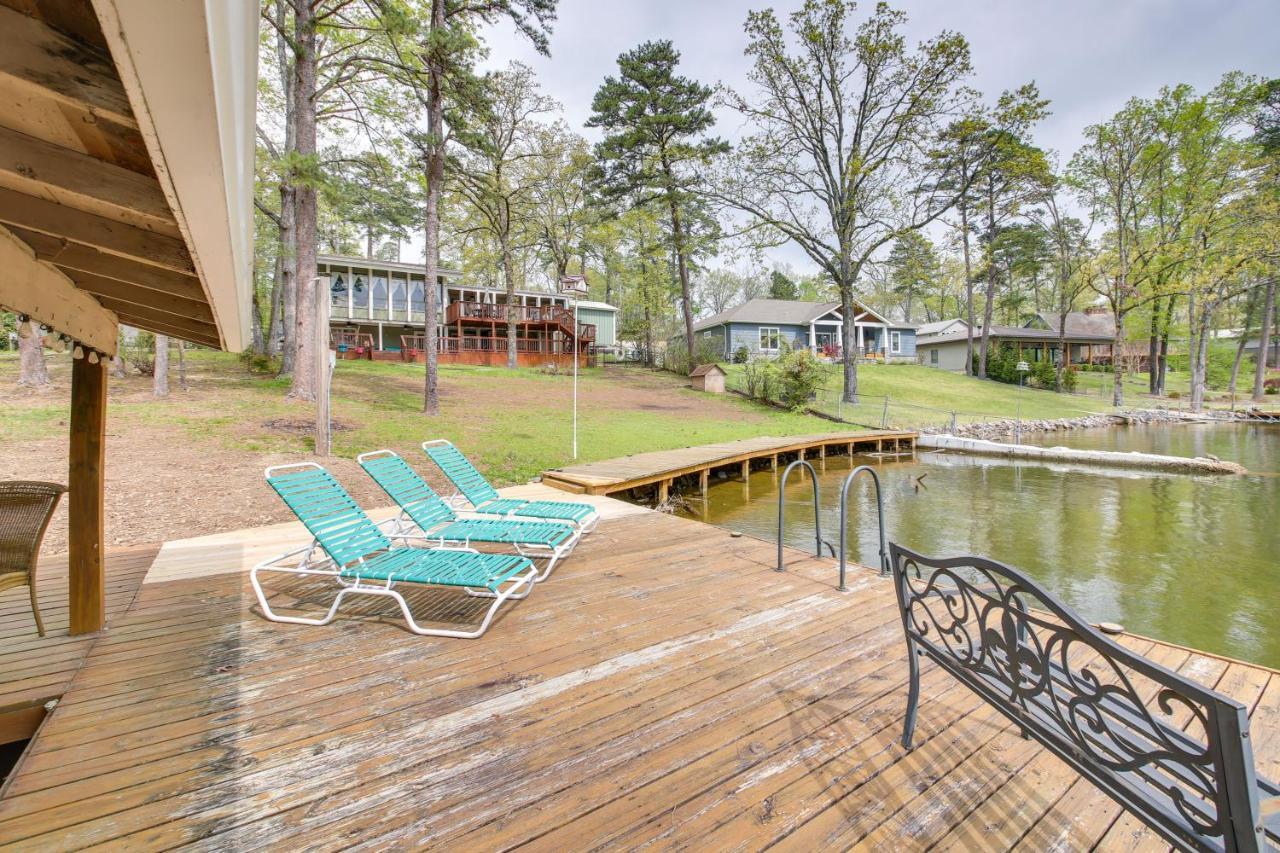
<point>662,468</point>
<point>665,686</point>
<point>35,670</point>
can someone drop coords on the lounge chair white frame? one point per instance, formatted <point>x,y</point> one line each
<point>516,589</point>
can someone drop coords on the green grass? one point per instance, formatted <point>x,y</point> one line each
<point>921,396</point>
<point>514,424</point>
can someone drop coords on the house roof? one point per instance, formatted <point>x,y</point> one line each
<point>704,369</point>
<point>938,327</point>
<point>598,306</point>
<point>1079,323</point>
<point>782,311</point>
<point>1020,333</point>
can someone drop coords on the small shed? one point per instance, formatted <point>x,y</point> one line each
<point>709,378</point>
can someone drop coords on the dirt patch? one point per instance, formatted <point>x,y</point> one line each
<point>303,426</point>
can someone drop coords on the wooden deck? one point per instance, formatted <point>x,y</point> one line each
<point>665,686</point>
<point>35,669</point>
<point>664,466</point>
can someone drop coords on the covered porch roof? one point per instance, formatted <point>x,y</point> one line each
<point>126,181</point>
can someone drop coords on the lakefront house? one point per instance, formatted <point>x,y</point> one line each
<point>1090,339</point>
<point>763,326</point>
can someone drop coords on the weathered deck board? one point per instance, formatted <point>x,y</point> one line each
<point>665,686</point>
<point>627,472</point>
<point>35,669</point>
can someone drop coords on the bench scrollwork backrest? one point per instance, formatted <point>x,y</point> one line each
<point>1168,748</point>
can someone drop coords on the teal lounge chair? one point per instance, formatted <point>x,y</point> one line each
<point>425,512</point>
<point>361,558</point>
<point>475,490</point>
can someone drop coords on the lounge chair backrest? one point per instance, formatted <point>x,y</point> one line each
<point>333,517</point>
<point>405,487</point>
<point>458,468</point>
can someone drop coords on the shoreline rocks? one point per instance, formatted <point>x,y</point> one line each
<point>994,430</point>
<point>1119,459</point>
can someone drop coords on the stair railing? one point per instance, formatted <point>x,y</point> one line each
<point>844,522</point>
<point>817,515</point>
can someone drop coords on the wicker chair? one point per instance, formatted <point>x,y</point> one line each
<point>25,509</point>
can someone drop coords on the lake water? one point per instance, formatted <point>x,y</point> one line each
<point>1193,560</point>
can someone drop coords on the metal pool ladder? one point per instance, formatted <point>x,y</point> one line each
<point>818,541</point>
<point>844,518</point>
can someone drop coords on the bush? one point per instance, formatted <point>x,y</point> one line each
<point>706,351</point>
<point>140,351</point>
<point>800,375</point>
<point>740,355</point>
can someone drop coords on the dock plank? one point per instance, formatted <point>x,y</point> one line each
<point>664,687</point>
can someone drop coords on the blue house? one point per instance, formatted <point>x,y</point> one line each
<point>761,326</point>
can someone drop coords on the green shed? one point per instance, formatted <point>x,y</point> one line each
<point>604,317</point>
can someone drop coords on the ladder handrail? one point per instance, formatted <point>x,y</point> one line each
<point>817,514</point>
<point>844,521</point>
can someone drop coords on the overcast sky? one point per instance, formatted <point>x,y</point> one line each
<point>1087,56</point>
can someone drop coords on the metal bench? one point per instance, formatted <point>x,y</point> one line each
<point>1173,752</point>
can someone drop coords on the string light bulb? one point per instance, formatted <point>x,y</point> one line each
<point>77,353</point>
<point>24,326</point>
<point>93,356</point>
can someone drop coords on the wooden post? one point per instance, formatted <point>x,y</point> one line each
<point>85,514</point>
<point>704,481</point>
<point>773,463</point>
<point>664,491</point>
<point>746,470</point>
<point>801,454</point>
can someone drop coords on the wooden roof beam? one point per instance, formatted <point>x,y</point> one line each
<point>100,232</point>
<point>74,256</point>
<point>124,291</point>
<point>37,289</point>
<point>37,168</point>
<point>36,59</point>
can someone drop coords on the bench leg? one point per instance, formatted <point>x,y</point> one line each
<point>913,694</point>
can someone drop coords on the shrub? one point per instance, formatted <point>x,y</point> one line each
<point>706,351</point>
<point>800,375</point>
<point>740,355</point>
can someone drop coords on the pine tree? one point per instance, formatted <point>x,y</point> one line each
<point>655,121</point>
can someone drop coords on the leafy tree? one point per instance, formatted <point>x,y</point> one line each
<point>431,56</point>
<point>842,153</point>
<point>655,123</point>
<point>913,268</point>
<point>496,178</point>
<point>782,287</point>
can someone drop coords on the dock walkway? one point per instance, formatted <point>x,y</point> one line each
<point>662,467</point>
<point>664,687</point>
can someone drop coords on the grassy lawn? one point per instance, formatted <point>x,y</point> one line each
<point>1135,384</point>
<point>514,424</point>
<point>923,396</point>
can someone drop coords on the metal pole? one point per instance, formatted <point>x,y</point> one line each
<point>324,436</point>
<point>844,522</point>
<point>817,515</point>
<point>575,377</point>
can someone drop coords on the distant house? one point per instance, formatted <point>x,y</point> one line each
<point>940,327</point>
<point>1090,339</point>
<point>763,325</point>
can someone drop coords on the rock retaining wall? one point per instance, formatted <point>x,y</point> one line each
<point>993,430</point>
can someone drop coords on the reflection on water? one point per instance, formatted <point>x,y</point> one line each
<point>1193,560</point>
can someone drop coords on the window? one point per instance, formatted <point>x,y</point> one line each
<point>398,298</point>
<point>359,297</point>
<point>338,294</point>
<point>770,340</point>
<point>933,356</point>
<point>379,294</point>
<point>895,342</point>
<point>417,299</point>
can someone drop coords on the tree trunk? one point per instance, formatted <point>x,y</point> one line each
<point>1250,306</point>
<point>1163,355</point>
<point>1117,363</point>
<point>32,370</point>
<point>968,289</point>
<point>117,366</point>
<point>274,319</point>
<point>987,311</point>
<point>1200,358</point>
<point>435,186</point>
<point>160,380</point>
<point>304,75</point>
<point>259,345</point>
<point>1153,350</point>
<point>1264,341</point>
<point>286,315</point>
<point>682,265</point>
<point>509,276</point>
<point>849,342</point>
<point>182,365</point>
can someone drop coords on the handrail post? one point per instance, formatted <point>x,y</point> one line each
<point>817,519</point>
<point>844,522</point>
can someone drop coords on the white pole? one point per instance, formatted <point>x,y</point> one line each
<point>575,377</point>
<point>324,367</point>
